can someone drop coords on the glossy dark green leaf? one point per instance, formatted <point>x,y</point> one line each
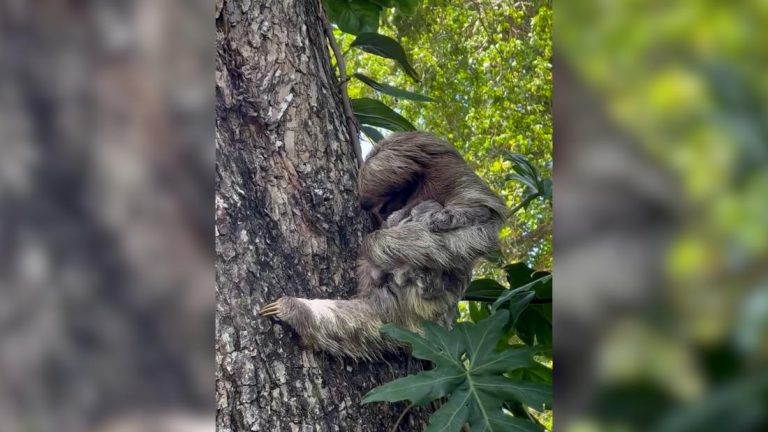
<point>419,389</point>
<point>534,325</point>
<point>385,46</point>
<point>507,295</point>
<point>445,340</point>
<point>546,189</point>
<point>374,113</point>
<point>537,373</point>
<point>543,285</point>
<point>353,16</point>
<point>480,338</point>
<point>392,91</point>
<point>505,361</point>
<point>372,134</point>
<point>453,414</point>
<point>534,394</point>
<point>484,290</point>
<point>433,349</point>
<point>518,274</point>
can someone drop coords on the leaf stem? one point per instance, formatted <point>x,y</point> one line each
<point>402,415</point>
<point>354,130</point>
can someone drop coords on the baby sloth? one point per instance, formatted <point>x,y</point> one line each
<point>436,217</point>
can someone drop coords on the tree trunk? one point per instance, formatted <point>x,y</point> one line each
<point>287,223</point>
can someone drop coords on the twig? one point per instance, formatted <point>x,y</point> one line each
<point>402,415</point>
<point>351,122</point>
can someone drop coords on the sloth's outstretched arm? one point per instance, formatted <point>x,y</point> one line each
<point>451,218</point>
<point>339,327</point>
<point>414,244</point>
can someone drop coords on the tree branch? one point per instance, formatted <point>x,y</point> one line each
<point>354,130</point>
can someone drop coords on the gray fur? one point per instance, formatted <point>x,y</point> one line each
<point>438,218</point>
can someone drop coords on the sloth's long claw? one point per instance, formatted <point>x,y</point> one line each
<point>270,309</point>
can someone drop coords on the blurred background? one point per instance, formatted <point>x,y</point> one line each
<point>661,215</point>
<point>106,205</point>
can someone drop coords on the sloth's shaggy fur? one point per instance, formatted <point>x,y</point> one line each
<point>437,218</point>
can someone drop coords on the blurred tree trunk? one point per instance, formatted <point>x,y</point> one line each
<point>287,223</point>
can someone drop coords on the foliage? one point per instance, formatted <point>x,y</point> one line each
<point>361,18</point>
<point>487,70</point>
<point>476,367</point>
<point>487,66</point>
<point>470,371</point>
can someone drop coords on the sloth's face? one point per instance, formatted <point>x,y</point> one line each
<point>390,205</point>
<point>388,200</point>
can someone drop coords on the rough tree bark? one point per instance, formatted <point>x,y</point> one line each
<point>287,223</point>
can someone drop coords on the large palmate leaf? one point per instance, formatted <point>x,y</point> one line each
<point>372,112</point>
<point>353,16</point>
<point>470,373</point>
<point>385,46</point>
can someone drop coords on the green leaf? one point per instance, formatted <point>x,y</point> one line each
<point>506,361</point>
<point>483,290</point>
<point>419,389</point>
<point>498,421</point>
<point>478,311</point>
<point>446,340</point>
<point>372,134</point>
<point>386,47</point>
<point>374,113</point>
<point>518,303</point>
<point>534,394</point>
<point>543,285</point>
<point>527,287</point>
<point>392,91</point>
<point>534,325</point>
<point>518,300</point>
<point>518,274</point>
<point>474,385</point>
<point>480,338</point>
<point>353,16</point>
<point>546,189</point>
<point>530,183</point>
<point>536,373</point>
<point>453,414</point>
<point>440,348</point>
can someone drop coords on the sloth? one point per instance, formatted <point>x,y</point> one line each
<point>435,219</point>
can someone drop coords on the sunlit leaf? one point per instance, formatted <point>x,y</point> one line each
<point>393,91</point>
<point>353,16</point>
<point>375,113</point>
<point>385,46</point>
